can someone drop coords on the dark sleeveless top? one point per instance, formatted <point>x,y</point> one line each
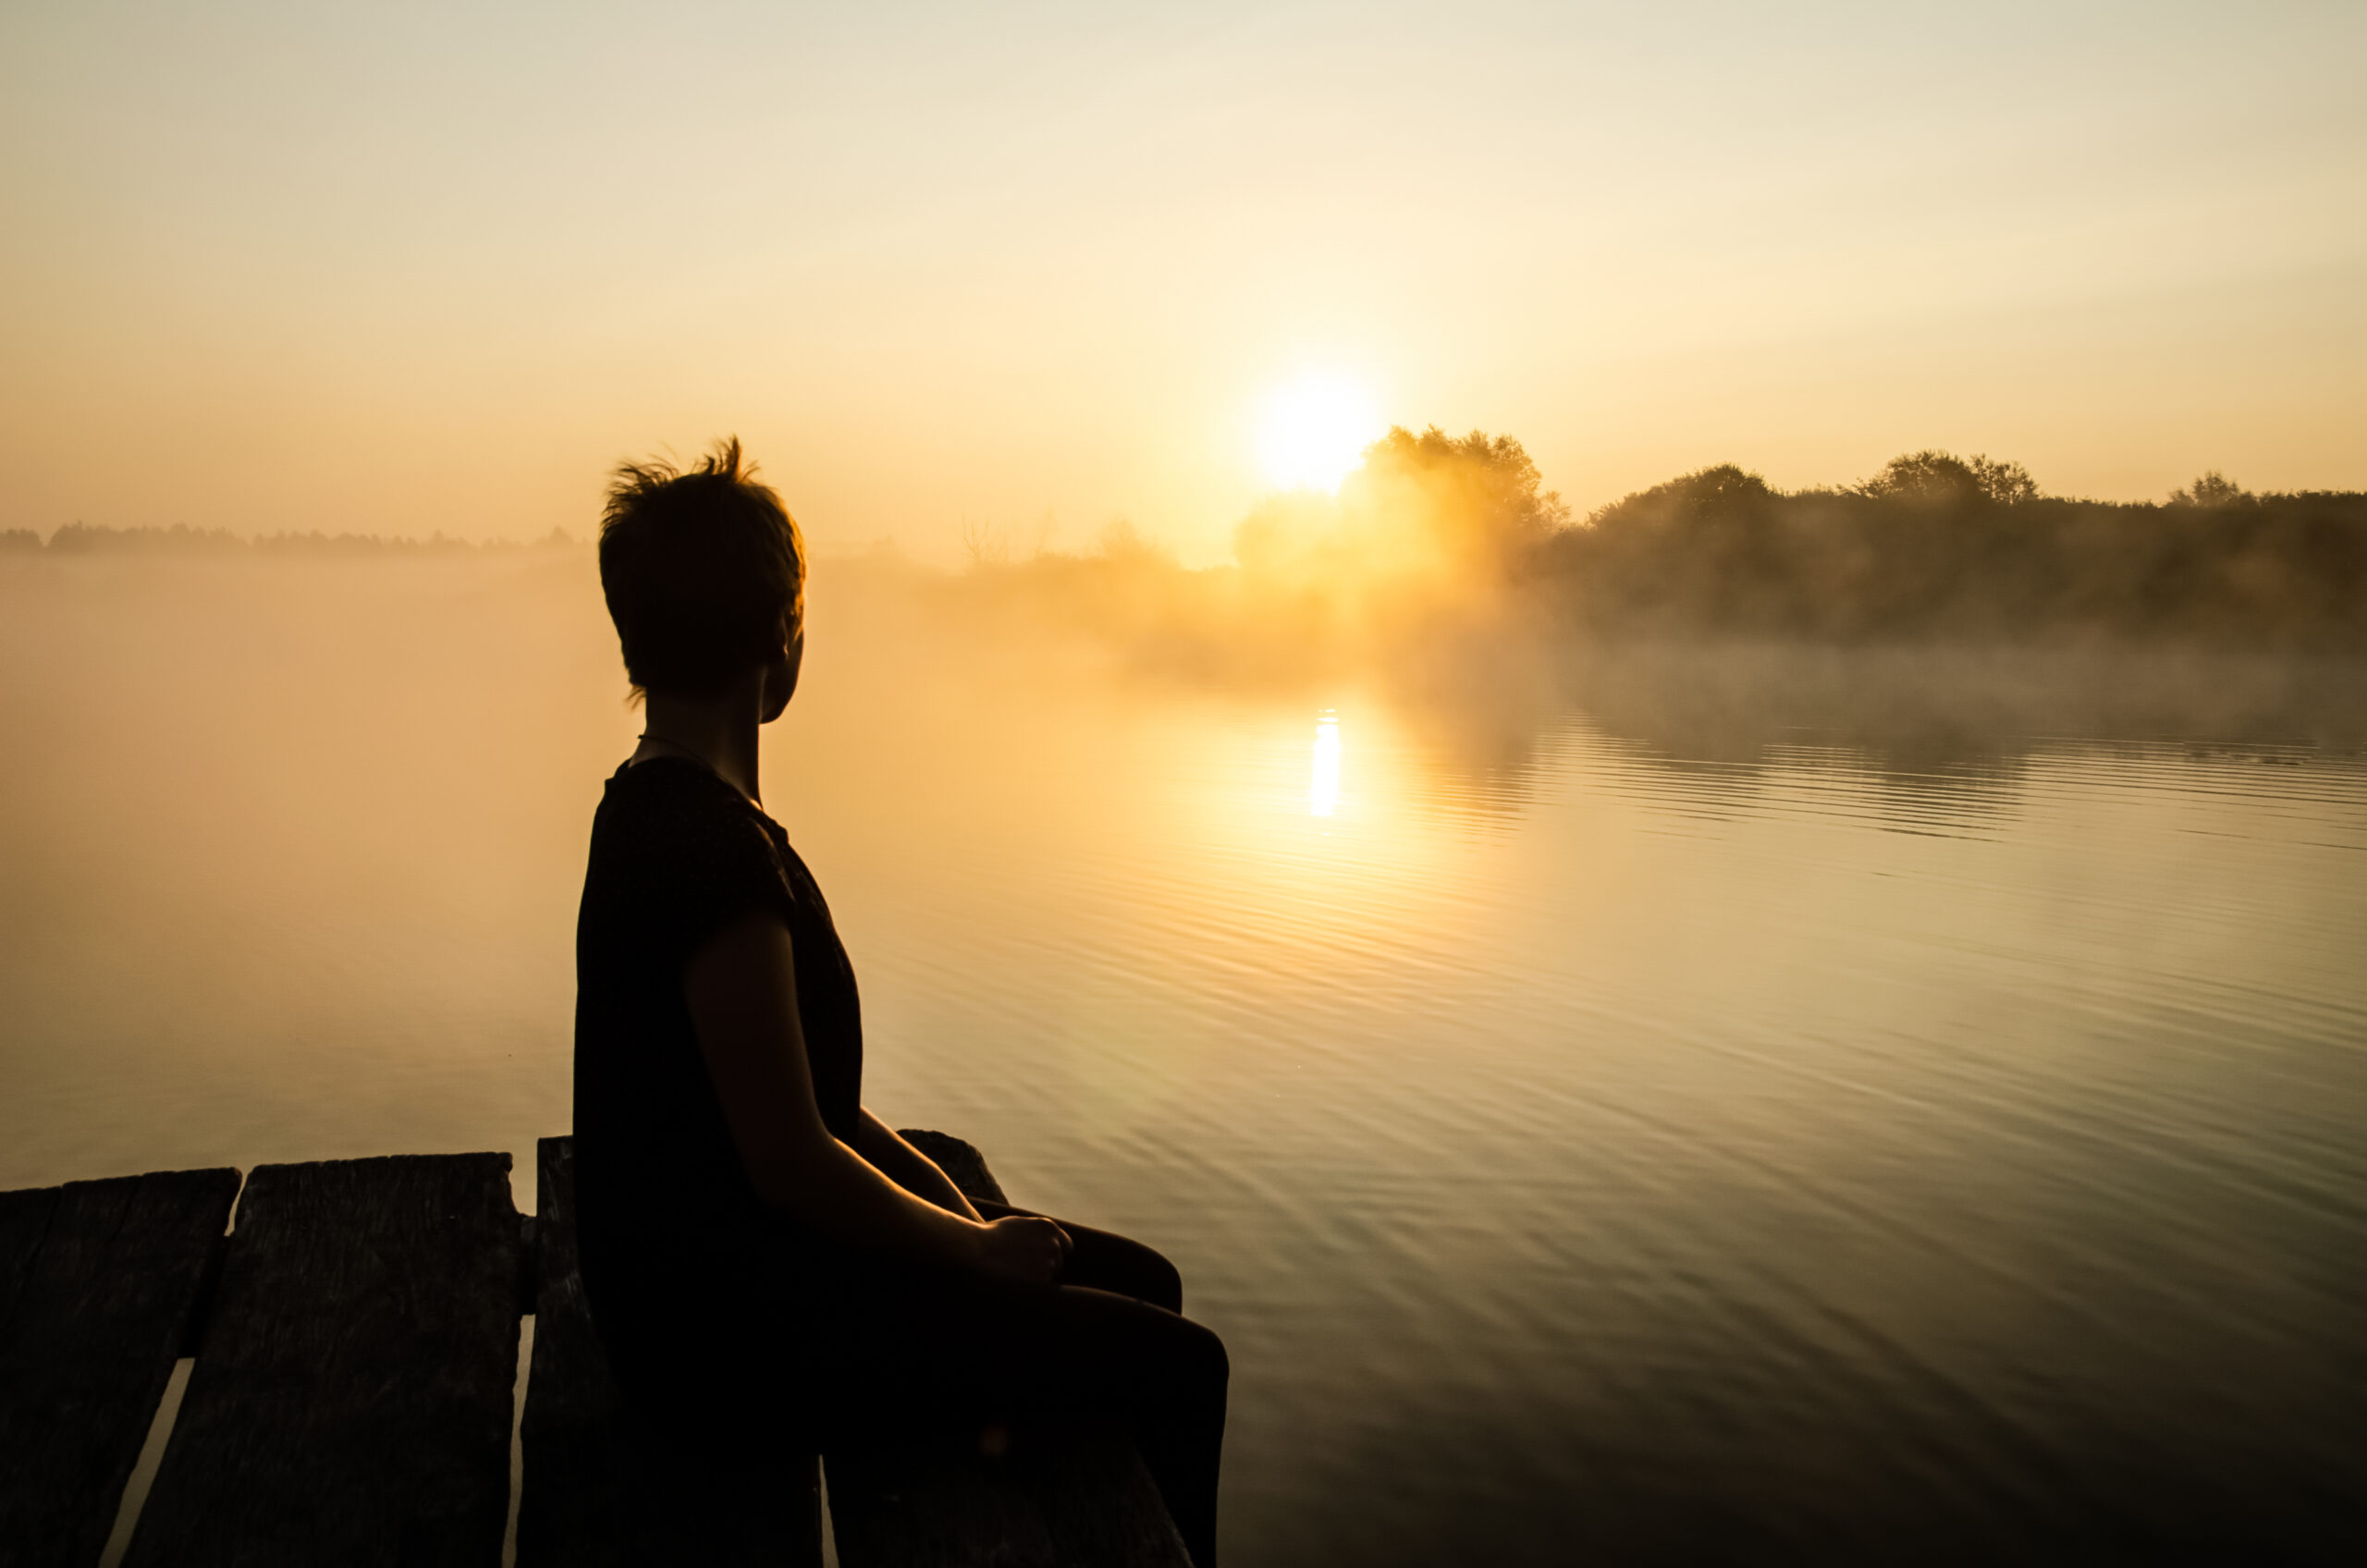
<point>667,1220</point>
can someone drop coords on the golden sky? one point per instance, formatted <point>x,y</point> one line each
<point>400,268</point>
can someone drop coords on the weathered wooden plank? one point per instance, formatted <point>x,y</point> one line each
<point>98,1284</point>
<point>603,1490</point>
<point>1073,1497</point>
<point>350,1401</point>
<point>24,1221</point>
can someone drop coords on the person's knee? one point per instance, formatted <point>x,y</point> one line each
<point>1127,1267</point>
<point>1205,1353</point>
<point>1162,1282</point>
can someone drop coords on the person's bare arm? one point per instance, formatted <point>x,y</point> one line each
<point>907,1166</point>
<point>741,985</point>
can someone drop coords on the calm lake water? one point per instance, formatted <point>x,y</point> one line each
<point>1764,1106</point>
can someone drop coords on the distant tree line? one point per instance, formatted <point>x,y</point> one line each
<point>1436,539</point>
<point>82,539</point>
<point>1935,546</point>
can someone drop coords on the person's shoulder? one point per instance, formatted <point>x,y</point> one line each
<point>669,810</point>
<point>669,784</point>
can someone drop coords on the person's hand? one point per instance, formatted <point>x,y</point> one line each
<point>1025,1248</point>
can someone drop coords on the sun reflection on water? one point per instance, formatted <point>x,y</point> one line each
<point>1323,788</point>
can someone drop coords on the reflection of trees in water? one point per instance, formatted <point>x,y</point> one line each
<point>1481,724</point>
<point>1487,682</point>
<point>1918,635</point>
<point>1928,738</point>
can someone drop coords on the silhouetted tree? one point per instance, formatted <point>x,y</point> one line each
<point>1122,543</point>
<point>2007,483</point>
<point>985,543</point>
<point>1934,479</point>
<point>1478,495</point>
<point>1454,513</point>
<point>2214,489</point>
<point>1723,491</point>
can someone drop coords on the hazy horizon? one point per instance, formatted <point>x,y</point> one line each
<point>988,541</point>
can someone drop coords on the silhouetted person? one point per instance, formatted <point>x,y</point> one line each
<point>761,1252</point>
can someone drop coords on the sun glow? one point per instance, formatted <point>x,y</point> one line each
<point>1323,788</point>
<point>1313,431</point>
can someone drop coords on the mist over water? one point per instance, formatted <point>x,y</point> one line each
<point>1673,1099</point>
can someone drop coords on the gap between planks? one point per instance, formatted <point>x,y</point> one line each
<point>143,1472</point>
<point>168,1411</point>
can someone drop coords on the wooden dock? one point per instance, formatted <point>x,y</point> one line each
<point>351,1400</point>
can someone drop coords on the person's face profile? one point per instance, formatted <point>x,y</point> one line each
<point>780,676</point>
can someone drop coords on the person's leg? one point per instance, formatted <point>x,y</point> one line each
<point>956,1343</point>
<point>1177,1377</point>
<point>1087,1351</point>
<point>1103,1260</point>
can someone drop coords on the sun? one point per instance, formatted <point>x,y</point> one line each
<point>1314,431</point>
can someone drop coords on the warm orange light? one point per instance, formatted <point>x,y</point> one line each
<point>1314,431</point>
<point>1323,788</point>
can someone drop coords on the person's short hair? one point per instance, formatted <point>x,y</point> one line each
<point>703,568</point>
